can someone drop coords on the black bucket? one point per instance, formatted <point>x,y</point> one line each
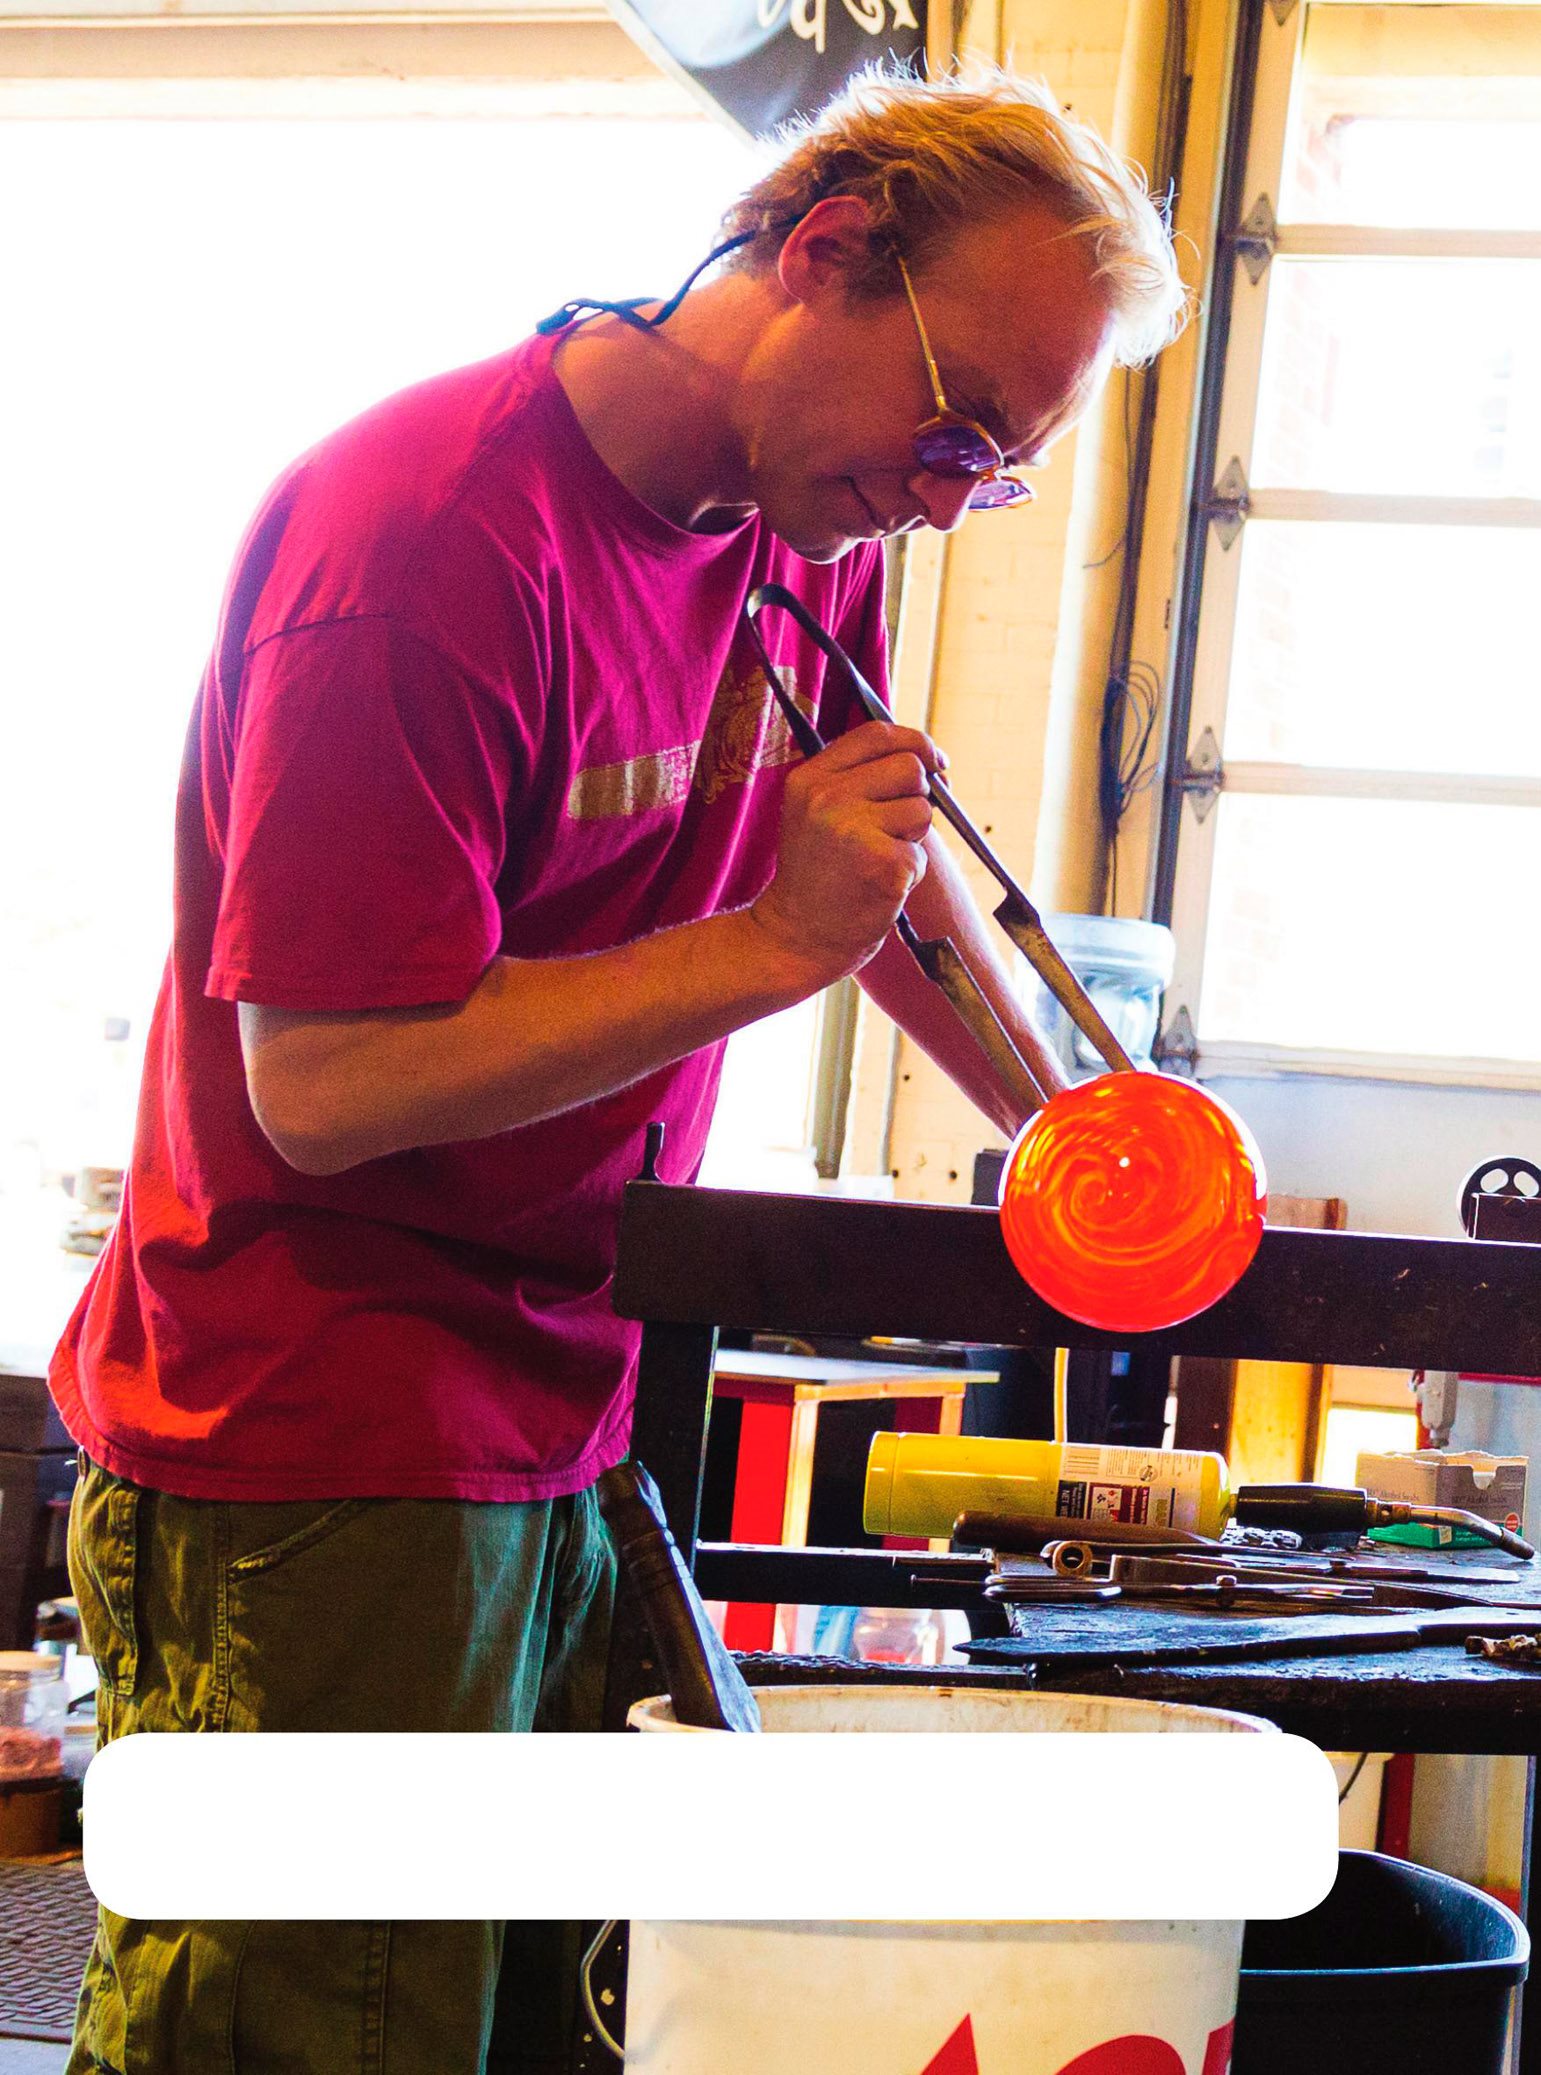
<point>1400,1968</point>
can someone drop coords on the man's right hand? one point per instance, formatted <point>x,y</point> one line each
<point>851,851</point>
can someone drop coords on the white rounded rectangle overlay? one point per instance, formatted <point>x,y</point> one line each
<point>878,1826</point>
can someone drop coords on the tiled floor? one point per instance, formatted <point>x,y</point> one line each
<point>47,1914</point>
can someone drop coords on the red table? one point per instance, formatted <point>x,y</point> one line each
<point>773,1479</point>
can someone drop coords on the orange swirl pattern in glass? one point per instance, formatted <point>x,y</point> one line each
<point>1133,1202</point>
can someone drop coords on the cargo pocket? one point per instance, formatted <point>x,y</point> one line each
<point>300,1527</point>
<point>300,1592</point>
<point>312,1995</point>
<point>103,1560</point>
<point>160,1998</point>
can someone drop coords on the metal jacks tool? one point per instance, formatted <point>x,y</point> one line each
<point>1285,1583</point>
<point>938,958</point>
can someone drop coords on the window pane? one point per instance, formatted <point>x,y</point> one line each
<point>1417,117</point>
<point>1373,926</point>
<point>1412,377</point>
<point>1400,647</point>
<point>1403,174</point>
<point>1377,646</point>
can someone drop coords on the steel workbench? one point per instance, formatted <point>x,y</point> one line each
<point>693,1261</point>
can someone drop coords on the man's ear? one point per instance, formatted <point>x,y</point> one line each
<point>821,253</point>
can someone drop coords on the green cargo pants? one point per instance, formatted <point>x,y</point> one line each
<point>351,1614</point>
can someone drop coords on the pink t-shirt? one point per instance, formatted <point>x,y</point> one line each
<point>468,696</point>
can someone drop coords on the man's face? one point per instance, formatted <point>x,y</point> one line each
<point>1022,342</point>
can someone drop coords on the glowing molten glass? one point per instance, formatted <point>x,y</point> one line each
<point>1133,1202</point>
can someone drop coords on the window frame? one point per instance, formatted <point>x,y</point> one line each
<point>1268,42</point>
<point>105,62</point>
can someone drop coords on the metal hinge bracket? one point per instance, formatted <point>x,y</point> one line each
<point>1202,777</point>
<point>1229,503</point>
<point>1257,239</point>
<point>1176,1050</point>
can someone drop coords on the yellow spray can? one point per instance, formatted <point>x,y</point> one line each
<point>918,1484</point>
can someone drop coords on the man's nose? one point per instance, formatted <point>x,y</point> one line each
<point>944,498</point>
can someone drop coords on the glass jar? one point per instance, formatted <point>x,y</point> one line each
<point>33,1706</point>
<point>898,1635</point>
<point>1124,965</point>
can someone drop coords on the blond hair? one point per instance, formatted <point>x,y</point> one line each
<point>929,155</point>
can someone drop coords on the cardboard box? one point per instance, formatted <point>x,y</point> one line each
<point>1491,1486</point>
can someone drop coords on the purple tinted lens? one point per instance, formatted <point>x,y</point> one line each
<point>955,450</point>
<point>1000,490</point>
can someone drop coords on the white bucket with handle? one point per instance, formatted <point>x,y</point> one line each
<point>1038,1998</point>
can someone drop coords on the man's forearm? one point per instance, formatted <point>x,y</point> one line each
<point>942,906</point>
<point>536,1037</point>
<point>540,1036</point>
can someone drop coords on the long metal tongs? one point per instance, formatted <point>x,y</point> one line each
<point>938,957</point>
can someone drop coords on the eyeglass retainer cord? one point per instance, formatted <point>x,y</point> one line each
<point>581,308</point>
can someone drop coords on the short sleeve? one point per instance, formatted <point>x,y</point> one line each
<point>367,826</point>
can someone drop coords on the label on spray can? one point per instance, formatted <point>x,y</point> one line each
<point>1141,1487</point>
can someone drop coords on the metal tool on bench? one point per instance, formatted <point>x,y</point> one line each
<point>1363,1586</point>
<point>1334,1509</point>
<point>1076,1557</point>
<point>1181,1579</point>
<point>938,958</point>
<point>1358,1583</point>
<point>1242,1580</point>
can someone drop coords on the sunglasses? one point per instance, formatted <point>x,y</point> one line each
<point>950,444</point>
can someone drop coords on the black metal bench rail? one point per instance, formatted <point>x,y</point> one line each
<point>694,1260</point>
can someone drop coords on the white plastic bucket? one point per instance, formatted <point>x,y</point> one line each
<point>946,1998</point>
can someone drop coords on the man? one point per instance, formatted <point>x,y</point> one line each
<point>489,834</point>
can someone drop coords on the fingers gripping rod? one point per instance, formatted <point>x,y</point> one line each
<point>1016,914</point>
<point>937,957</point>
